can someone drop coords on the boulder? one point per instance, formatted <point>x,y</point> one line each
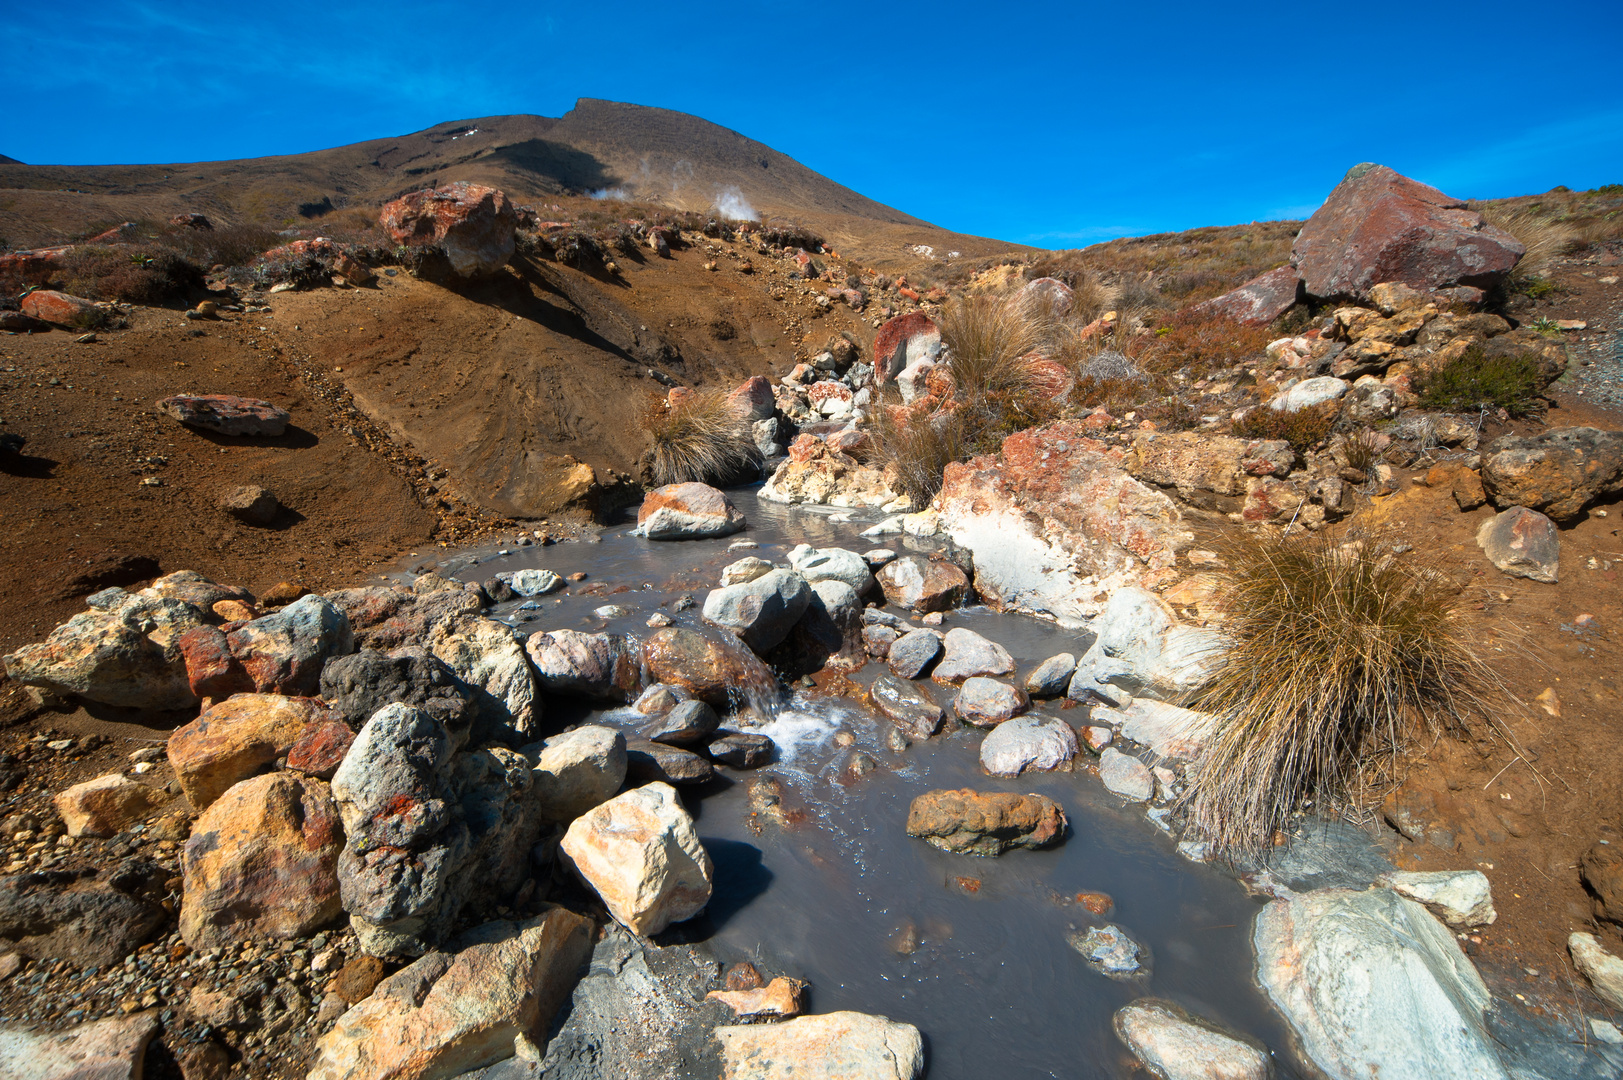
<point>579,770</point>
<point>1171,732</point>
<point>911,655</point>
<point>746,569</point>
<point>1126,776</point>
<point>285,652</point>
<point>699,665</point>
<point>227,414</point>
<point>1174,1045</point>
<point>60,309</point>
<point>1140,644</point>
<point>923,585</point>
<point>754,399</point>
<point>650,762</point>
<point>236,738</point>
<point>1050,295</point>
<point>741,749</point>
<point>534,582</point>
<point>1308,393</point>
<point>262,862</point>
<point>1056,524</point>
<point>127,655</point>
<point>832,564</point>
<point>684,724</point>
<point>966,654</point>
<point>1557,472</point>
<point>833,1046</point>
<point>1259,301</point>
<point>765,434</point>
<point>1461,898</point>
<point>600,667</point>
<point>1523,543</point>
<point>761,611</point>
<point>1603,970</point>
<point>358,685</point>
<point>252,504</point>
<point>828,634</point>
<point>985,823</point>
<point>487,656</point>
<point>687,512</point>
<point>1372,985</point>
<point>1109,950</point>
<point>389,616</point>
<point>106,805</point>
<point>820,474</point>
<point>89,918</point>
<point>1201,466</point>
<point>906,706</point>
<point>1028,744</point>
<point>472,224</point>
<point>987,703</point>
<point>640,853</point>
<point>461,1009</point>
<point>1050,678</point>
<point>902,341</point>
<point>111,1049</point>
<point>1379,226</point>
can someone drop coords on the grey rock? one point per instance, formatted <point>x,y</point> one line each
<point>1028,744</point>
<point>1523,543</point>
<point>111,1049</point>
<point>1176,1046</point>
<point>741,749</point>
<point>987,703</point>
<point>1140,645</point>
<point>124,655</point>
<point>768,443</point>
<point>912,654</point>
<point>762,611</point>
<point>578,770</point>
<point>1108,950</point>
<point>839,1044</point>
<point>1461,898</point>
<point>1373,985</point>
<point>966,654</point>
<point>906,706</point>
<point>88,918</point>
<point>1309,392</point>
<point>877,640</point>
<point>1050,678</point>
<point>489,658</point>
<point>361,683</point>
<point>533,582</point>
<point>601,667</point>
<point>684,724</point>
<point>647,762</point>
<point>746,569</point>
<point>832,564</point>
<point>1126,775</point>
<point>1603,970</point>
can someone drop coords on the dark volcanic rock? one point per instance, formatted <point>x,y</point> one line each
<point>227,414</point>
<point>360,684</point>
<point>81,916</point>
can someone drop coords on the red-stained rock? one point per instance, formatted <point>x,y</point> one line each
<point>1379,226</point>
<point>318,248</point>
<point>115,234</point>
<point>234,739</point>
<point>261,862</point>
<point>209,667</point>
<point>819,392</point>
<point>754,398</point>
<point>32,267</point>
<point>1259,301</point>
<point>849,442</point>
<point>191,221</point>
<point>227,414</point>
<point>320,749</point>
<point>1056,524</point>
<point>1049,292</point>
<point>903,340</point>
<point>687,511</point>
<point>1052,378</point>
<point>57,308</point>
<point>817,472</point>
<point>472,223</point>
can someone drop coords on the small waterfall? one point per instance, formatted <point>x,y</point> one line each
<point>757,690</point>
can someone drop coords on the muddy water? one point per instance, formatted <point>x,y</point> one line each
<point>972,951</point>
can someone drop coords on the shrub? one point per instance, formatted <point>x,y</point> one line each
<point>1479,381</point>
<point>1303,429</point>
<point>1189,341</point>
<point>1332,658</point>
<point>133,276</point>
<point>703,437</point>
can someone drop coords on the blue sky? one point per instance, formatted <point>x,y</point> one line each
<point>1057,125</point>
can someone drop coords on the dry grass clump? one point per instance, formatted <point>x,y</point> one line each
<point>1545,239</point>
<point>1335,658</point>
<point>986,339</point>
<point>703,437</point>
<point>915,452</point>
<point>1186,340</point>
<point>123,273</point>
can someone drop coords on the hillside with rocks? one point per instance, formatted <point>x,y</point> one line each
<point>427,641</point>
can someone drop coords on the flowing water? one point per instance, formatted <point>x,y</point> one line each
<point>971,950</point>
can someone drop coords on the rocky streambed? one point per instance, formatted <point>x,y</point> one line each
<point>952,847</point>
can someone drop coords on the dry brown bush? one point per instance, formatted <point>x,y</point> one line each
<point>704,437</point>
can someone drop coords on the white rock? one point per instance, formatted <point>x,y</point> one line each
<point>534,582</point>
<point>1139,641</point>
<point>834,1046</point>
<point>1174,733</point>
<point>487,656</point>
<point>111,1049</point>
<point>912,379</point>
<point>1462,898</point>
<point>1126,775</point>
<point>832,564</point>
<point>579,770</point>
<point>746,569</point>
<point>891,526</point>
<point>1605,1032</point>
<point>1603,970</point>
<point>1373,985</point>
<point>1028,743</point>
<point>1309,392</point>
<point>1175,1046</point>
<point>640,853</point>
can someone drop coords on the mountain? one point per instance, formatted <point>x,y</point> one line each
<point>598,147</point>
<point>4,160</point>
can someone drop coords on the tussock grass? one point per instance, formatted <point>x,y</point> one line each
<point>916,452</point>
<point>1335,658</point>
<point>987,339</point>
<point>1545,238</point>
<point>1303,429</point>
<point>703,438</point>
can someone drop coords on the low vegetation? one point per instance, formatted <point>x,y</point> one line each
<point>1335,657</point>
<point>1303,429</point>
<point>914,450</point>
<point>1479,381</point>
<point>704,437</point>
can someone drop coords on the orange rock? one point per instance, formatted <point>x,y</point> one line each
<point>780,997</point>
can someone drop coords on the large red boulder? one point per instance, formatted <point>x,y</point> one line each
<point>901,341</point>
<point>473,224</point>
<point>1379,226</point>
<point>754,398</point>
<point>58,308</point>
<point>1259,301</point>
<point>30,267</point>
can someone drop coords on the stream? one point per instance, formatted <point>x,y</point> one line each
<point>972,951</point>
